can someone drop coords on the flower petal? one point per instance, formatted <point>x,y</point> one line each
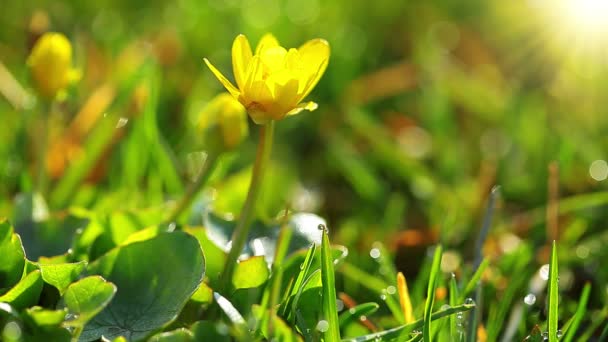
<point>268,40</point>
<point>225,82</point>
<point>254,74</point>
<point>241,56</point>
<point>284,98</point>
<point>314,56</point>
<point>309,106</point>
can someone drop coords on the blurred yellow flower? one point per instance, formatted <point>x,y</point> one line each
<point>50,63</point>
<point>223,122</point>
<point>273,82</point>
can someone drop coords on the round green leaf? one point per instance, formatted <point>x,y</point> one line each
<point>249,273</point>
<point>155,278</point>
<point>26,293</point>
<point>13,257</point>
<point>86,298</point>
<point>61,275</point>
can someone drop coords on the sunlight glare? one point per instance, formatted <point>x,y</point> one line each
<point>588,16</point>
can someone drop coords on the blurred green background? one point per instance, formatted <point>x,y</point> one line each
<point>425,106</point>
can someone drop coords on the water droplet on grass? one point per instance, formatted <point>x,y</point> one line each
<point>323,325</point>
<point>544,272</point>
<point>530,299</point>
<point>374,253</point>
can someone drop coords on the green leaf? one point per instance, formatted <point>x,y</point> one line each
<point>252,272</point>
<point>26,293</point>
<point>203,295</point>
<point>155,278</point>
<point>330,311</point>
<point>44,317</point>
<point>61,275</point>
<point>430,294</point>
<point>13,257</point>
<point>179,335</point>
<point>43,325</point>
<point>86,298</point>
<point>553,295</point>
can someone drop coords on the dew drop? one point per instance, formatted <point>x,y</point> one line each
<point>560,334</point>
<point>383,296</point>
<point>121,122</point>
<point>374,253</point>
<point>445,307</point>
<point>362,318</point>
<point>339,305</point>
<point>391,289</point>
<point>322,227</point>
<point>352,311</point>
<point>530,299</point>
<point>323,325</point>
<point>469,301</point>
<point>544,272</point>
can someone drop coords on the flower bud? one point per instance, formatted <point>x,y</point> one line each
<point>223,123</point>
<point>50,64</point>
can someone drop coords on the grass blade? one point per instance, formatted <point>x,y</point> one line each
<point>472,284</point>
<point>353,314</point>
<point>330,311</point>
<point>430,294</point>
<point>581,309</point>
<point>553,295</point>
<point>454,299</point>
<point>400,331</point>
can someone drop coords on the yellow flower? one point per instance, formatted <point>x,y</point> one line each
<point>224,123</point>
<point>273,82</point>
<point>50,63</point>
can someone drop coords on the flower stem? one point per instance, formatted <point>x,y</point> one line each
<point>195,188</point>
<point>242,229</point>
<point>42,148</point>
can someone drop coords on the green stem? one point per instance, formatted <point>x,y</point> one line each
<point>195,188</point>
<point>242,229</point>
<point>42,148</point>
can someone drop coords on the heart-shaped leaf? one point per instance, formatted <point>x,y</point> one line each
<point>250,273</point>
<point>13,257</point>
<point>155,278</point>
<point>61,275</point>
<point>86,298</point>
<point>26,293</point>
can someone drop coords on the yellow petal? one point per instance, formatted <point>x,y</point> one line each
<point>314,56</point>
<point>267,41</point>
<point>293,62</point>
<point>241,56</point>
<point>260,94</point>
<point>254,74</point>
<point>273,58</point>
<point>309,106</point>
<point>284,98</point>
<point>227,84</point>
